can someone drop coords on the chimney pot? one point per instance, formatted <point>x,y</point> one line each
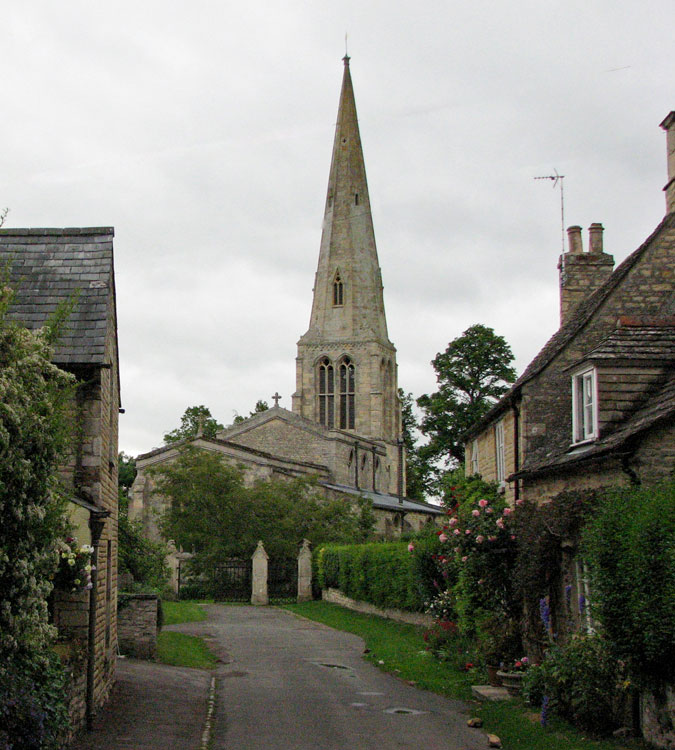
<point>576,244</point>
<point>595,238</point>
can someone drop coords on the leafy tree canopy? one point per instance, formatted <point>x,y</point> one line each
<point>472,373</point>
<point>194,418</point>
<point>213,513</point>
<point>259,407</point>
<point>417,468</point>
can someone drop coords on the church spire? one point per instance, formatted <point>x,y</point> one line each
<point>348,300</point>
<point>346,365</point>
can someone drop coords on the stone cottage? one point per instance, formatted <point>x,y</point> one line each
<point>47,268</point>
<point>345,423</point>
<point>596,406</point>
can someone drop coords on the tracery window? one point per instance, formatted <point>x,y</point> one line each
<point>338,291</point>
<point>347,395</point>
<point>326,393</point>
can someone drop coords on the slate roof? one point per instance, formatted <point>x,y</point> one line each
<point>580,317</point>
<point>387,502</point>
<point>635,342</point>
<point>47,267</point>
<point>659,409</point>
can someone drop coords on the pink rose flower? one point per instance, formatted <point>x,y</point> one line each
<point>475,513</point>
<point>411,547</point>
<point>500,523</point>
<point>480,539</point>
<point>468,531</point>
<point>453,522</point>
<point>456,532</point>
<point>508,511</point>
<point>488,510</point>
<point>483,503</point>
<point>465,558</point>
<point>442,538</point>
<point>520,501</point>
<point>492,539</point>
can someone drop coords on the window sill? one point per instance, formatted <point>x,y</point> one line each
<point>582,444</point>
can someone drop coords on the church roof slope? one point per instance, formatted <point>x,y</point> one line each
<point>49,267</point>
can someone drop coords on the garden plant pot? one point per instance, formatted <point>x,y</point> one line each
<point>512,681</point>
<point>493,675</point>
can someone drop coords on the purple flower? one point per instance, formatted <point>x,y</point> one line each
<point>582,604</point>
<point>544,711</point>
<point>545,613</point>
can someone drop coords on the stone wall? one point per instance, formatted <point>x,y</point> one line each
<point>137,625</point>
<point>334,596</point>
<point>658,718</point>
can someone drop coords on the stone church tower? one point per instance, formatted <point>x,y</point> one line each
<point>346,373</point>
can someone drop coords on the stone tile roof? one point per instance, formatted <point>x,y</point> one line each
<point>652,343</point>
<point>47,267</point>
<point>658,409</point>
<point>579,318</point>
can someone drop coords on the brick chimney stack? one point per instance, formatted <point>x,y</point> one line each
<point>669,126</point>
<point>581,273</point>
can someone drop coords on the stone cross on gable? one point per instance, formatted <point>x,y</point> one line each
<point>276,398</point>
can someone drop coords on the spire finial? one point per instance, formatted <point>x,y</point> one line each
<point>346,57</point>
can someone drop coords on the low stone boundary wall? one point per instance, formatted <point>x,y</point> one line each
<point>658,717</point>
<point>335,596</point>
<point>137,625</point>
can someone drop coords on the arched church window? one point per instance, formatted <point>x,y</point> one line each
<point>326,393</point>
<point>347,395</point>
<point>338,291</point>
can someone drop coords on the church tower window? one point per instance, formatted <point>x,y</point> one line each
<point>347,395</point>
<point>326,393</point>
<point>338,291</point>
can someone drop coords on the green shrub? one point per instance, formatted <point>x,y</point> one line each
<point>33,712</point>
<point>385,574</point>
<point>630,547</point>
<point>581,681</point>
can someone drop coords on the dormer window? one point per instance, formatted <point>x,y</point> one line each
<point>584,406</point>
<point>338,291</point>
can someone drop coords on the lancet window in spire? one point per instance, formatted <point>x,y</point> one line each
<point>338,291</point>
<point>326,393</point>
<point>347,395</point>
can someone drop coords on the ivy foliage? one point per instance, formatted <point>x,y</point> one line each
<point>629,544</point>
<point>34,432</point>
<point>144,559</point>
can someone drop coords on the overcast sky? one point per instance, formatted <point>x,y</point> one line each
<point>202,132</point>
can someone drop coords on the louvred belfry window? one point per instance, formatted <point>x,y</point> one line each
<point>347,395</point>
<point>326,393</point>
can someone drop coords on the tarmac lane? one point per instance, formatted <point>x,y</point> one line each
<point>288,683</point>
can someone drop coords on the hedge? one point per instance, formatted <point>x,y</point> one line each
<point>385,574</point>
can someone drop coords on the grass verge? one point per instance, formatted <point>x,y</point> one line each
<point>399,649</point>
<point>177,612</point>
<point>181,650</point>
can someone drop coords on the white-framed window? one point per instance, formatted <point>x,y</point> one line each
<point>500,463</point>
<point>474,457</point>
<point>584,406</point>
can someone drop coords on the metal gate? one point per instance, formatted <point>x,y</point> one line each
<point>233,582</point>
<point>282,579</point>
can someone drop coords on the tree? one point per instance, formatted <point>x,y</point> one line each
<point>144,559</point>
<point>194,420</point>
<point>472,373</point>
<point>260,406</point>
<point>417,470</point>
<point>214,514</point>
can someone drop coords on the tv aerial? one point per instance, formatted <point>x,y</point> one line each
<point>557,179</point>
